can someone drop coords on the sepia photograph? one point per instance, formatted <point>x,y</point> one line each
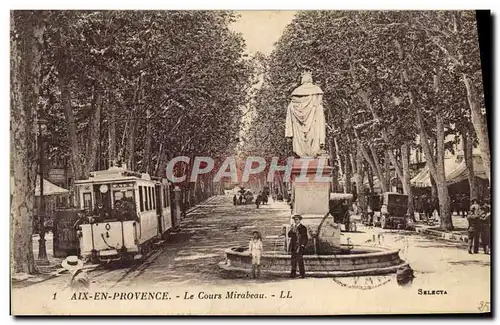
<point>225,162</point>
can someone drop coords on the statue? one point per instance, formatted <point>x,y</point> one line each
<point>305,119</point>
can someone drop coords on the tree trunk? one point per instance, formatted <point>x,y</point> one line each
<point>434,190</point>
<point>375,166</point>
<point>424,141</point>
<point>26,42</point>
<point>334,164</point>
<point>429,157</point>
<point>369,174</point>
<point>75,157</point>
<point>347,175</point>
<point>338,156</point>
<point>479,122</point>
<point>112,136</point>
<point>469,163</point>
<point>360,179</point>
<point>131,145</point>
<point>432,179</point>
<point>405,157</point>
<point>93,135</point>
<point>442,186</point>
<point>159,161</point>
<point>387,170</point>
<point>132,126</point>
<point>395,164</point>
<point>146,159</point>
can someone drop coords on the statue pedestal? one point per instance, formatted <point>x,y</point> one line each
<point>311,181</point>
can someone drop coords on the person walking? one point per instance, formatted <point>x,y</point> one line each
<point>473,230</point>
<point>298,241</point>
<point>464,205</point>
<point>258,200</point>
<point>428,208</point>
<point>454,204</point>
<point>255,248</point>
<point>235,200</point>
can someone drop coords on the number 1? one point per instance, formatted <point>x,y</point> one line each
<point>55,293</point>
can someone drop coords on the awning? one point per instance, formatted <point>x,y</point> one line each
<point>366,184</point>
<point>48,188</point>
<point>460,173</point>
<point>455,171</point>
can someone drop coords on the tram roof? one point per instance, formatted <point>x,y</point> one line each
<point>114,174</point>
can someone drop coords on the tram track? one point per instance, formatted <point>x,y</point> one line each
<point>137,269</point>
<point>95,272</point>
<point>111,278</point>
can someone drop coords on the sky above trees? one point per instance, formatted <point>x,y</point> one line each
<point>261,29</point>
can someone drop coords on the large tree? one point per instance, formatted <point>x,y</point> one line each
<point>27,30</point>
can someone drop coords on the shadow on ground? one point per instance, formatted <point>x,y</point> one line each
<point>471,262</point>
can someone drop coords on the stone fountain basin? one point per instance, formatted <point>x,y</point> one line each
<point>354,261</point>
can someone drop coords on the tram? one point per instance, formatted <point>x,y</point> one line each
<point>125,214</point>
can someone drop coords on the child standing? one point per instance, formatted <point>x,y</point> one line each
<point>255,248</point>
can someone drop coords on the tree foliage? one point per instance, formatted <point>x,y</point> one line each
<point>175,79</point>
<point>377,69</point>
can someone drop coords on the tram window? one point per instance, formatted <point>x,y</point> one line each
<point>117,195</point>
<point>153,198</point>
<point>141,202</point>
<point>87,201</point>
<point>130,194</point>
<point>153,194</point>
<point>164,198</point>
<point>150,199</point>
<point>167,196</point>
<point>147,197</point>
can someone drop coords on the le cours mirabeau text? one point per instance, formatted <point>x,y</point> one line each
<point>164,295</point>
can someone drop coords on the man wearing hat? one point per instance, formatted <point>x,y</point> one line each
<point>298,242</point>
<point>79,280</point>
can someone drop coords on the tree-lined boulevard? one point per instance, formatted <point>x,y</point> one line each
<point>96,89</point>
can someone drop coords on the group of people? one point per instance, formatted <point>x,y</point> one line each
<point>425,205</point>
<point>460,203</point>
<point>238,199</point>
<point>479,231</point>
<point>262,198</point>
<point>298,242</point>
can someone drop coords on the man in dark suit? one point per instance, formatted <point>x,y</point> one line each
<point>298,242</point>
<point>474,229</point>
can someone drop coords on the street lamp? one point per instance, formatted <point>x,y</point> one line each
<point>42,251</point>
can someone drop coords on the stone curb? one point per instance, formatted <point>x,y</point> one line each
<point>319,274</point>
<point>456,237</point>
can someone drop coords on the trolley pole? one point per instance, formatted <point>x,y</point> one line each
<point>42,251</point>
